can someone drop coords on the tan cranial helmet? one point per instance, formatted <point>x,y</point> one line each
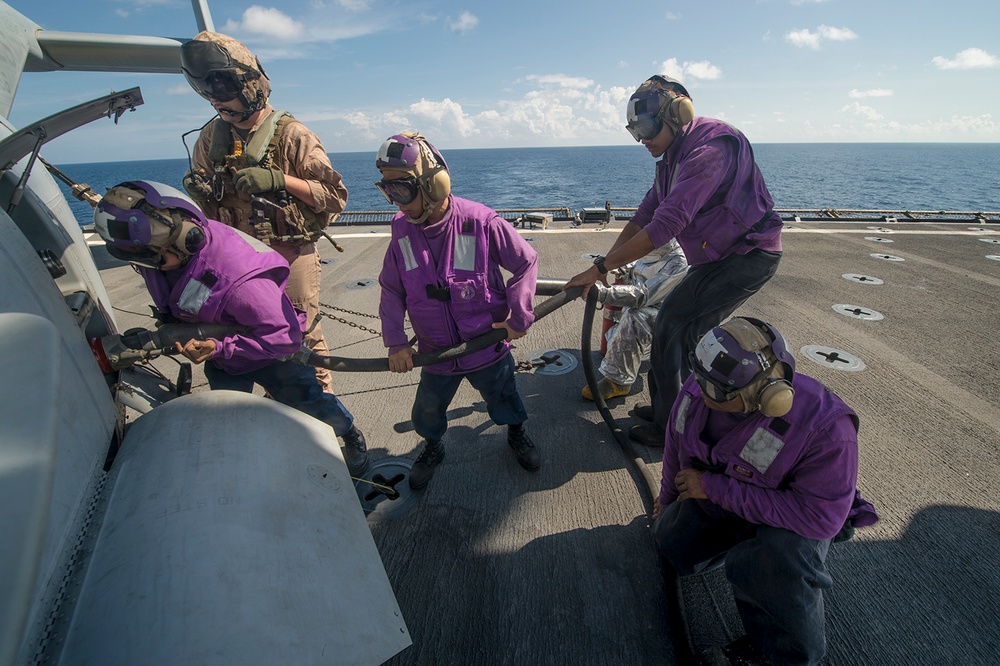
<point>222,68</point>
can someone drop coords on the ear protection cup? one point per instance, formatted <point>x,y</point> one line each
<point>192,238</point>
<point>437,180</point>
<point>775,398</point>
<point>681,111</point>
<point>437,183</point>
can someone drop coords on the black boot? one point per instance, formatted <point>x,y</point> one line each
<point>423,467</point>
<point>355,451</point>
<point>523,447</point>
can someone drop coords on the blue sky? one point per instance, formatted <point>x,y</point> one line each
<point>540,73</point>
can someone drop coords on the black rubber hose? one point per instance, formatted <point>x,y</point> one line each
<point>649,489</point>
<point>493,337</point>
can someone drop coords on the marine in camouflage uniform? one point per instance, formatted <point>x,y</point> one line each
<point>261,171</point>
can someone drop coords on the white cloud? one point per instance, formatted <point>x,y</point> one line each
<point>808,2</point>
<point>561,80</point>
<point>465,23</point>
<point>837,34</point>
<point>671,16</point>
<point>874,92</point>
<point>444,115</point>
<point>686,71</point>
<point>178,90</point>
<point>355,5</point>
<point>864,111</point>
<point>266,22</point>
<point>968,59</point>
<point>805,38</point>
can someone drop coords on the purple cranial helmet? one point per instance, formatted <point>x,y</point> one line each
<point>411,153</point>
<point>138,219</point>
<point>746,357</point>
<point>660,99</point>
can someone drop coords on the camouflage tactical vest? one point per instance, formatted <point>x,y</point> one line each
<point>272,217</point>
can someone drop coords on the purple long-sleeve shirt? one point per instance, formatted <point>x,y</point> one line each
<point>505,248</point>
<point>707,193</point>
<point>798,472</point>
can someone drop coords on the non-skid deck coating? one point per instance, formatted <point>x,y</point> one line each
<point>495,565</point>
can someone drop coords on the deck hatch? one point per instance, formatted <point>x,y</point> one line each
<point>828,357</point>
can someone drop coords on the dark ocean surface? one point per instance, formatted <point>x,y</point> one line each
<point>896,176</point>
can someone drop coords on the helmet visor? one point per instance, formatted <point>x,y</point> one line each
<point>400,191</point>
<point>211,71</point>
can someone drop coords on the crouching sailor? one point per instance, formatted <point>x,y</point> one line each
<point>760,470</point>
<point>201,271</point>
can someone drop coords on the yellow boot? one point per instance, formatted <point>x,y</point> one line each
<point>608,390</point>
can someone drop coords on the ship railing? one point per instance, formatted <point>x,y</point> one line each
<point>792,215</point>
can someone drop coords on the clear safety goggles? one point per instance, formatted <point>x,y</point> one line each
<point>645,129</point>
<point>399,192</point>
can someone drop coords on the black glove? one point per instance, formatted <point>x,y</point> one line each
<point>255,180</point>
<point>196,185</point>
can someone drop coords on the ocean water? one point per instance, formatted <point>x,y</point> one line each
<point>899,176</point>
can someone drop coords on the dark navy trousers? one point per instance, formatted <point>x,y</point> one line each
<point>495,383</point>
<point>292,384</point>
<point>778,577</point>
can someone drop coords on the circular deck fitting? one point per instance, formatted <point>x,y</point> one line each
<point>886,257</point>
<point>983,231</point>
<point>829,357</point>
<point>384,489</point>
<point>994,257</point>
<point>883,230</point>
<point>327,262</point>
<point>995,241</point>
<point>858,312</point>
<point>363,283</point>
<point>862,279</point>
<point>877,239</point>
<point>552,362</point>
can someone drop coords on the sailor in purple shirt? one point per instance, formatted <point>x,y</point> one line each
<point>442,269</point>
<point>201,271</point>
<point>708,194</point>
<point>760,473</point>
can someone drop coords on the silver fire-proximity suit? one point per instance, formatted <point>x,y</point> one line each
<point>648,282</point>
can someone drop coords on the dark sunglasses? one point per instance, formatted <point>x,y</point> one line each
<point>399,192</point>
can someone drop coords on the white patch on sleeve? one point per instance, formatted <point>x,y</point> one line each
<point>761,449</point>
<point>682,414</point>
<point>408,259</point>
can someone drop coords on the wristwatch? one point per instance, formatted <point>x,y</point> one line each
<point>599,262</point>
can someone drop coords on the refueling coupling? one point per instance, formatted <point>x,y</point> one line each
<point>117,352</point>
